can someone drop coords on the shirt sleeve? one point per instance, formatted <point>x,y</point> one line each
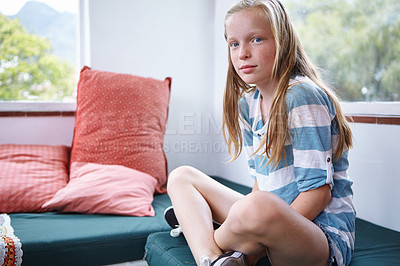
<point>310,115</point>
<point>247,135</point>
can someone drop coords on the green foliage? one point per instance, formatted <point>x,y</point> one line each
<point>356,41</point>
<point>28,70</point>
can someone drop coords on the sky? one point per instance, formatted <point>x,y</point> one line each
<point>11,7</point>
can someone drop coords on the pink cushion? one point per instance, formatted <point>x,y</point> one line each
<point>121,120</point>
<point>30,175</point>
<point>109,189</point>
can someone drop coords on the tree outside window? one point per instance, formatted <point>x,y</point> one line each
<point>37,58</point>
<point>356,42</point>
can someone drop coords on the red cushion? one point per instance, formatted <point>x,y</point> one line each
<point>110,189</point>
<point>121,120</point>
<point>30,175</point>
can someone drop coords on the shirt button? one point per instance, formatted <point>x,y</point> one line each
<point>328,160</point>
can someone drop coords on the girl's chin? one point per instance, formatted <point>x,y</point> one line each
<point>250,81</point>
<point>247,79</point>
<point>256,82</point>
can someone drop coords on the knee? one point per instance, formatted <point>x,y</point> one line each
<point>179,176</point>
<point>255,212</point>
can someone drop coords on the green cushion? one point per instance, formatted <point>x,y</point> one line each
<point>164,250</point>
<point>375,245</point>
<point>79,239</point>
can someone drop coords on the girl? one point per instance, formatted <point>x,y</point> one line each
<point>295,136</point>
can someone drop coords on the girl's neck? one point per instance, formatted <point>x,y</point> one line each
<point>267,96</point>
<point>267,91</point>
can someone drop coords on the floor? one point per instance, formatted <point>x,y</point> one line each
<point>132,263</point>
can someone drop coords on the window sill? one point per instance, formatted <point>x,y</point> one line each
<point>381,120</point>
<point>371,108</point>
<point>383,113</point>
<point>21,109</point>
<point>356,112</point>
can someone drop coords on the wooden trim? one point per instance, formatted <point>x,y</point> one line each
<point>374,119</point>
<point>367,119</point>
<point>35,113</point>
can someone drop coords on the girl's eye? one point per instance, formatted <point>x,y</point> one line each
<point>257,40</point>
<point>234,44</point>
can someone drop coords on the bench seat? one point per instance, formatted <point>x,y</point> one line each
<point>80,239</point>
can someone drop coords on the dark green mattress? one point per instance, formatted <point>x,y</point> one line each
<point>375,246</point>
<point>79,239</point>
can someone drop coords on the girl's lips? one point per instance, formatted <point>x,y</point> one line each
<point>246,69</point>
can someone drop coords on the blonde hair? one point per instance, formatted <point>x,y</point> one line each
<point>290,59</point>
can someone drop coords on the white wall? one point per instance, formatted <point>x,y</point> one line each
<point>53,130</point>
<point>374,167</point>
<point>164,39</point>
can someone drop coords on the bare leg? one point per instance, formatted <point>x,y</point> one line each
<point>197,200</point>
<point>289,238</point>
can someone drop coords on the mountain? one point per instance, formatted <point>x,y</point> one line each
<point>59,27</point>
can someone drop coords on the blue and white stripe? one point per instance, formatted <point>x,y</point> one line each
<point>309,160</point>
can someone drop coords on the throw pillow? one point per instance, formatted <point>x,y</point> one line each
<point>30,175</point>
<point>121,120</point>
<point>107,189</point>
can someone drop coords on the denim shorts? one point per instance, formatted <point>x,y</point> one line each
<point>331,259</point>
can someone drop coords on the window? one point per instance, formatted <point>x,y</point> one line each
<point>357,42</point>
<point>39,48</point>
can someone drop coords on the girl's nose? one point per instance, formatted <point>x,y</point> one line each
<point>244,52</point>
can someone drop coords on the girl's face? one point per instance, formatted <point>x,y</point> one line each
<point>252,47</point>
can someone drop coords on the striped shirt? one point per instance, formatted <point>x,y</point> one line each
<point>308,162</point>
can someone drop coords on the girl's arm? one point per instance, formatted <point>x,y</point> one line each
<point>310,118</point>
<point>312,202</point>
<point>309,203</point>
